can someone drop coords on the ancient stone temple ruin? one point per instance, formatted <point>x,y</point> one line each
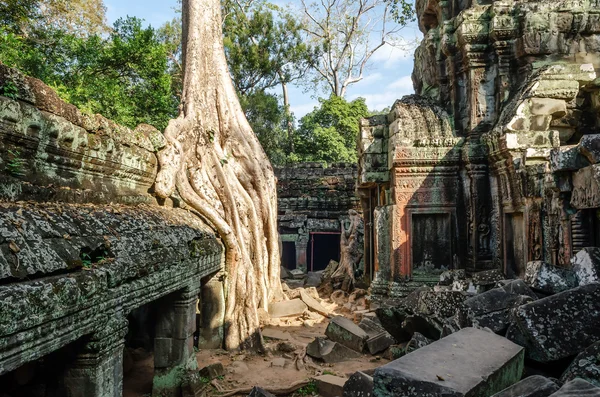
<point>313,200</point>
<point>89,260</point>
<point>493,163</point>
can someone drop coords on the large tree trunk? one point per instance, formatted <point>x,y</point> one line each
<point>350,254</point>
<point>216,164</point>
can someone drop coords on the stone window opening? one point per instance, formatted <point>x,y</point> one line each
<point>288,255</point>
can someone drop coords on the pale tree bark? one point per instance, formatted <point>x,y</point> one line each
<point>215,163</point>
<point>350,253</point>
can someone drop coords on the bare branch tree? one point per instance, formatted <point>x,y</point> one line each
<point>348,33</point>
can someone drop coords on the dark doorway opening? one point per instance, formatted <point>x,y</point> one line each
<point>288,256</point>
<point>323,248</point>
<point>432,241</point>
<point>514,245</point>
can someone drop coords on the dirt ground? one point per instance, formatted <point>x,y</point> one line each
<point>243,370</point>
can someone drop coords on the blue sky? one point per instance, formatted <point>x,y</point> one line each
<point>387,79</point>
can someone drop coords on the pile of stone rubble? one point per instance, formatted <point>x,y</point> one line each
<point>478,336</point>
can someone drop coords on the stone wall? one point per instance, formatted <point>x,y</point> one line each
<point>499,137</point>
<point>83,243</point>
<point>313,198</point>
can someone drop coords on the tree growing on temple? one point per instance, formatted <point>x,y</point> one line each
<point>215,163</point>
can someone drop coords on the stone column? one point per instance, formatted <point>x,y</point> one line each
<point>98,367</point>
<point>174,343</point>
<point>212,312</point>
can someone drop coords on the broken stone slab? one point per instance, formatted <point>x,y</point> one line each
<point>358,385</point>
<point>391,318</point>
<point>430,326</point>
<point>345,332</point>
<point>585,366</point>
<point>285,273</point>
<point>450,276</point>
<point>487,278</point>
<point>532,386</point>
<point>380,342</point>
<point>394,352</point>
<point>330,352</point>
<point>371,325</point>
<point>330,385</point>
<point>298,274</point>
<point>430,302</point>
<point>558,326</point>
<point>212,371</point>
<point>313,279</point>
<point>259,392</point>
<point>577,388</point>
<point>492,308</point>
<point>274,333</point>
<point>416,342</point>
<point>294,307</point>
<point>278,362</point>
<point>313,304</point>
<point>550,279</point>
<point>586,265</point>
<point>470,362</point>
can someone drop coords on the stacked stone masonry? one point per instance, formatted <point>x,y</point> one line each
<point>314,198</point>
<point>83,243</point>
<point>494,162</point>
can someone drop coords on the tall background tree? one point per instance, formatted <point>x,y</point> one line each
<point>349,33</point>
<point>215,163</point>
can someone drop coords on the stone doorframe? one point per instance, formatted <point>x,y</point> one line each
<point>448,211</point>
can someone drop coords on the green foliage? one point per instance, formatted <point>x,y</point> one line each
<point>402,11</point>
<point>329,133</point>
<point>264,46</point>
<point>308,390</point>
<point>15,163</point>
<point>122,76</point>
<point>9,90</point>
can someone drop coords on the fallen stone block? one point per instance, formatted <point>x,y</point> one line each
<point>313,279</point>
<point>330,352</point>
<point>298,274</point>
<point>550,279</point>
<point>274,333</point>
<point>294,307</point>
<point>586,265</point>
<point>492,308</point>
<point>212,371</point>
<point>358,385</point>
<point>585,366</point>
<point>532,386</point>
<point>430,302</point>
<point>558,326</point>
<point>450,276</point>
<point>486,279</point>
<point>470,362</point>
<point>577,388</point>
<point>330,385</point>
<point>416,342</point>
<point>430,326</point>
<point>313,304</point>
<point>380,342</point>
<point>394,352</point>
<point>259,392</point>
<point>345,332</point>
<point>391,319</point>
<point>285,273</point>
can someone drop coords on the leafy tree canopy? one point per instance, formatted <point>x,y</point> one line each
<point>123,75</point>
<point>329,133</point>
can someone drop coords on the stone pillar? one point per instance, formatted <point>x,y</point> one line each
<point>174,343</point>
<point>212,312</point>
<point>98,367</point>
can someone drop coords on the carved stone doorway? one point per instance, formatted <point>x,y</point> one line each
<point>514,245</point>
